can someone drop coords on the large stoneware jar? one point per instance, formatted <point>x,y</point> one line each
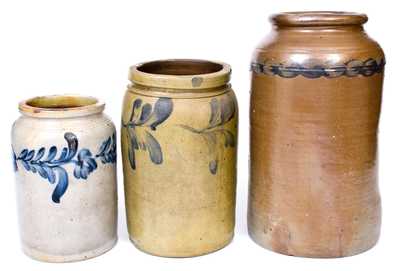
<point>315,105</point>
<point>64,152</point>
<point>179,136</point>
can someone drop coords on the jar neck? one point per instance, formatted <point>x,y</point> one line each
<point>349,29</point>
<point>319,22</point>
<point>188,93</point>
<point>180,75</point>
<point>61,106</point>
<point>318,18</point>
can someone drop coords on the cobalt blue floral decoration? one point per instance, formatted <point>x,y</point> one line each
<point>51,166</point>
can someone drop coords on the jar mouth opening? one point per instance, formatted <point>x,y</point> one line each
<point>180,67</point>
<point>181,74</point>
<point>318,18</point>
<point>61,106</point>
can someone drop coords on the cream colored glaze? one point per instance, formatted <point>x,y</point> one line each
<point>84,223</point>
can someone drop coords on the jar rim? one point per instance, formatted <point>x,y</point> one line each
<point>318,18</point>
<point>60,106</point>
<point>181,74</point>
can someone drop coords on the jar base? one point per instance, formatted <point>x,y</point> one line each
<point>45,257</point>
<point>181,255</point>
<point>265,245</point>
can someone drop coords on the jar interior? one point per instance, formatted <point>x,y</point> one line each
<point>60,102</point>
<point>180,67</point>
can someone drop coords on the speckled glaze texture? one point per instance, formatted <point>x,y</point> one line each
<point>64,154</point>
<point>315,106</point>
<point>179,136</point>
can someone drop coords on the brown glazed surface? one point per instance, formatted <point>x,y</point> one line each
<point>179,139</point>
<point>315,105</point>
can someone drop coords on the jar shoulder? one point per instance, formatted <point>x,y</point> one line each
<point>139,97</point>
<point>28,130</point>
<point>328,46</point>
<point>134,90</point>
<point>164,109</point>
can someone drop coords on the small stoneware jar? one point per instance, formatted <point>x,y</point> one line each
<point>315,106</point>
<point>64,152</point>
<point>179,136</point>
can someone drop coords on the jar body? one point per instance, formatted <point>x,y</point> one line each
<point>179,169</point>
<point>315,105</point>
<point>66,186</point>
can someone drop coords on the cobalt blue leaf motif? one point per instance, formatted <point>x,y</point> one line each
<point>222,112</point>
<point>108,150</point>
<point>144,119</point>
<point>14,159</point>
<point>85,164</point>
<point>51,166</point>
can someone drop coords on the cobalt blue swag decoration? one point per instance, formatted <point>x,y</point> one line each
<point>50,166</point>
<point>351,68</point>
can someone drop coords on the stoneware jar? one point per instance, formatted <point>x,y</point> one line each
<point>315,105</point>
<point>179,136</point>
<point>64,152</point>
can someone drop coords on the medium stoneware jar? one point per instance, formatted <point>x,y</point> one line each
<point>64,152</point>
<point>315,105</point>
<point>179,136</point>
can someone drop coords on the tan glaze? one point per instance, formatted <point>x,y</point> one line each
<point>315,105</point>
<point>180,179</point>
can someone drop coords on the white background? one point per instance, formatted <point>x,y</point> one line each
<point>86,47</point>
